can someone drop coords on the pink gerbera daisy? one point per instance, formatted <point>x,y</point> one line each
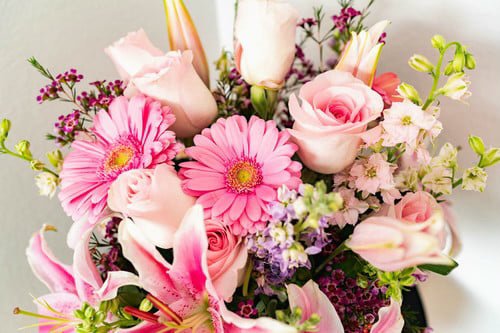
<point>238,168</point>
<point>133,134</point>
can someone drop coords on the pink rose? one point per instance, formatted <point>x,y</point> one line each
<point>391,244</point>
<point>416,207</point>
<point>335,112</point>
<point>154,199</point>
<point>169,78</point>
<point>226,257</point>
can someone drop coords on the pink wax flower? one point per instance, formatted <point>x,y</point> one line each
<point>334,115</point>
<point>132,135</point>
<point>226,258</point>
<point>154,199</point>
<point>391,244</point>
<point>70,286</point>
<point>237,169</point>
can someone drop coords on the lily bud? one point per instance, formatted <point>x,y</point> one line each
<point>470,61</point>
<point>420,63</point>
<point>490,158</point>
<point>459,60</point>
<point>23,148</point>
<point>409,92</point>
<point>182,35</point>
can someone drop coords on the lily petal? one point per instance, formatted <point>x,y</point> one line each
<point>55,275</point>
<point>114,281</point>
<point>390,319</point>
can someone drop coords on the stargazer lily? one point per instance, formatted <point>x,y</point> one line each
<point>182,291</point>
<point>362,52</point>
<point>70,286</point>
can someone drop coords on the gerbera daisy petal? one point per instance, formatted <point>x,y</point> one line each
<point>132,135</point>
<point>244,163</point>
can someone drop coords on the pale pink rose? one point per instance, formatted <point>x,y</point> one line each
<point>391,245</point>
<point>226,258</point>
<point>264,36</point>
<point>154,199</point>
<point>169,78</point>
<point>390,319</point>
<point>416,207</point>
<point>335,112</point>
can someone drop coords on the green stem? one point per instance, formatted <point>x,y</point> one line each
<point>248,274</point>
<point>458,182</point>
<point>341,248</point>
<point>437,75</point>
<point>5,150</point>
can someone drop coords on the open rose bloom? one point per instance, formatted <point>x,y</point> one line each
<point>297,196</point>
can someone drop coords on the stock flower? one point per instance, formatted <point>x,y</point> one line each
<point>404,122</point>
<point>335,112</point>
<point>373,174</point>
<point>237,169</point>
<point>169,78</point>
<point>351,210</point>
<point>362,52</point>
<point>311,300</point>
<point>47,184</point>
<point>70,286</point>
<point>438,179</point>
<point>264,36</point>
<point>457,87</point>
<point>474,179</point>
<point>183,291</point>
<point>390,244</point>
<point>226,258</point>
<point>154,199</point>
<point>132,135</point>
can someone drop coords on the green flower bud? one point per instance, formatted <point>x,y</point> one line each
<point>490,158</point>
<point>477,144</point>
<point>459,60</point>
<point>448,70</point>
<point>410,93</point>
<point>4,128</point>
<point>146,305</point>
<point>264,101</point>
<point>420,63</point>
<point>438,42</point>
<point>55,158</point>
<point>470,61</point>
<point>37,165</point>
<point>23,148</point>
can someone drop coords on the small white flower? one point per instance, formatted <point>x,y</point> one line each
<point>300,207</point>
<point>474,179</point>
<point>438,180</point>
<point>47,184</point>
<point>407,180</point>
<point>447,157</point>
<point>457,87</point>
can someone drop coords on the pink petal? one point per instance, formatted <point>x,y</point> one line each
<point>237,207</point>
<point>114,281</point>
<point>390,319</point>
<point>223,203</point>
<point>55,275</point>
<point>87,277</point>
<point>265,193</point>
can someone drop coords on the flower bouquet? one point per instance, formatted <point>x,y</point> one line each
<point>295,196</point>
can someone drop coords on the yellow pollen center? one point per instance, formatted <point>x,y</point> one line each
<point>119,158</point>
<point>406,120</point>
<point>243,176</point>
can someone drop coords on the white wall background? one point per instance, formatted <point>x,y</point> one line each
<point>63,34</point>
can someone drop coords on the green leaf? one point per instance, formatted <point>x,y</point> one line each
<point>440,269</point>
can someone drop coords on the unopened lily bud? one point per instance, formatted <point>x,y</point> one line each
<point>470,61</point>
<point>23,148</point>
<point>477,144</point>
<point>438,42</point>
<point>409,92</point>
<point>448,70</point>
<point>4,128</point>
<point>420,63</point>
<point>55,158</point>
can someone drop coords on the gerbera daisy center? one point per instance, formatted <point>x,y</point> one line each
<point>118,158</point>
<point>243,175</point>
